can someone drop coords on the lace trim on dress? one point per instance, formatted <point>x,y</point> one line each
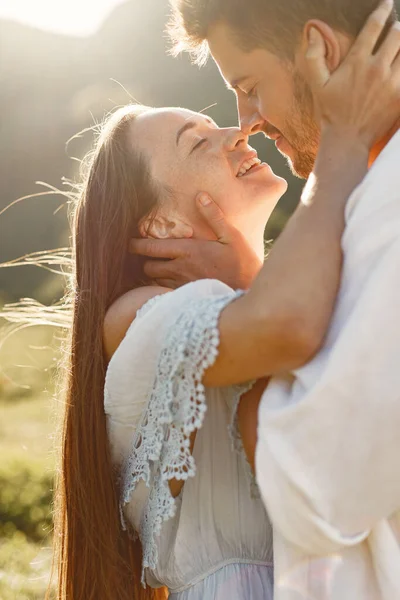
<point>147,306</point>
<point>177,405</point>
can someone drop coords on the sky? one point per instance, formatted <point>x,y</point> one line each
<point>73,17</point>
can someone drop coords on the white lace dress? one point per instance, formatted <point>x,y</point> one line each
<point>213,542</point>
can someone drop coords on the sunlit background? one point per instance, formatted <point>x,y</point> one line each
<point>59,64</point>
<point>69,17</point>
<point>60,61</point>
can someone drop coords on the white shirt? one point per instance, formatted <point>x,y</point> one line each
<point>328,457</point>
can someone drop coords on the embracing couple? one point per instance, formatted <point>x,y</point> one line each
<point>232,426</point>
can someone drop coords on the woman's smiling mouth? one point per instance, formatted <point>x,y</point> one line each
<point>248,165</point>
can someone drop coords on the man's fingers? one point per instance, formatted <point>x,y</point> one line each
<point>214,216</point>
<point>158,269</point>
<point>158,248</point>
<point>391,46</point>
<point>373,29</point>
<point>396,69</point>
<point>317,70</point>
<point>168,283</point>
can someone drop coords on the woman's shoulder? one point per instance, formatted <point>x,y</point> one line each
<point>122,313</point>
<point>127,308</point>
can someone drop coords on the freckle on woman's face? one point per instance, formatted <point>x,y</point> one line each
<point>189,154</point>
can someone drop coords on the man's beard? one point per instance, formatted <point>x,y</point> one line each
<point>300,130</point>
<point>303,132</point>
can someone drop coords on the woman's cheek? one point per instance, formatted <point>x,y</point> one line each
<point>230,200</point>
<point>216,178</point>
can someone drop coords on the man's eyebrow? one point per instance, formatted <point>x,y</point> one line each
<point>236,83</point>
<point>186,127</point>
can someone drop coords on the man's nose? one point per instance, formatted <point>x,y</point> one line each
<point>252,124</point>
<point>251,121</point>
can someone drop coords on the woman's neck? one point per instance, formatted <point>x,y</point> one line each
<point>255,239</point>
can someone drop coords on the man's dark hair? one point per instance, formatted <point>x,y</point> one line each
<point>276,25</point>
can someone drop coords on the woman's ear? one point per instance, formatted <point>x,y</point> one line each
<point>163,228</point>
<point>336,44</point>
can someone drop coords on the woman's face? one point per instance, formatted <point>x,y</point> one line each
<point>188,153</point>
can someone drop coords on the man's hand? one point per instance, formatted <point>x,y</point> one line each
<point>229,259</point>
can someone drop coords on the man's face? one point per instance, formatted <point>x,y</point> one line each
<point>272,98</point>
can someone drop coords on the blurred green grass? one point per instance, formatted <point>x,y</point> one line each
<point>27,422</point>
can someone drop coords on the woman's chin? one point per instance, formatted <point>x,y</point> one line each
<point>269,196</point>
<point>264,175</point>
<point>278,185</point>
<point>268,186</point>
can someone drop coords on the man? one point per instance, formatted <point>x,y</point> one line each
<point>259,63</point>
<point>258,49</point>
<point>329,483</point>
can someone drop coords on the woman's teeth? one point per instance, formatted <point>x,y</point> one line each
<point>248,165</point>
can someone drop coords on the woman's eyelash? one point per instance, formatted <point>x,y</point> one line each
<point>200,143</point>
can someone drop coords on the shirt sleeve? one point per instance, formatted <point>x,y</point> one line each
<point>328,453</point>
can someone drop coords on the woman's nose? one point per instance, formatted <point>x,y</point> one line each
<point>235,138</point>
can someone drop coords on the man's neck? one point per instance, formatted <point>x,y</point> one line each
<point>376,150</point>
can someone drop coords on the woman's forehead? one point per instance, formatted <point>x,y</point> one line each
<point>158,128</point>
<point>169,118</point>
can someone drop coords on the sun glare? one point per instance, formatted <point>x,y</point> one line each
<point>73,17</point>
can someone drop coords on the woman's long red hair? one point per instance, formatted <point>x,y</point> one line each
<point>93,558</point>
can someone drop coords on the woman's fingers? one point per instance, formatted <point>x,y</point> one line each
<point>361,96</point>
<point>318,73</point>
<point>368,38</point>
<point>390,48</point>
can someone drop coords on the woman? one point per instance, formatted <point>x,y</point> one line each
<point>162,459</point>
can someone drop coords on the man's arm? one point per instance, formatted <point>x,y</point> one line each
<point>280,324</point>
<point>333,451</point>
<point>288,308</point>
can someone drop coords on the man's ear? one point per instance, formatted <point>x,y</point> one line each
<point>161,227</point>
<point>336,44</point>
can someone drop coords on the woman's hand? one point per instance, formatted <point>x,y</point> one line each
<point>361,99</point>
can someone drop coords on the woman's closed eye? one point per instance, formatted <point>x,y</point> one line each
<point>198,145</point>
